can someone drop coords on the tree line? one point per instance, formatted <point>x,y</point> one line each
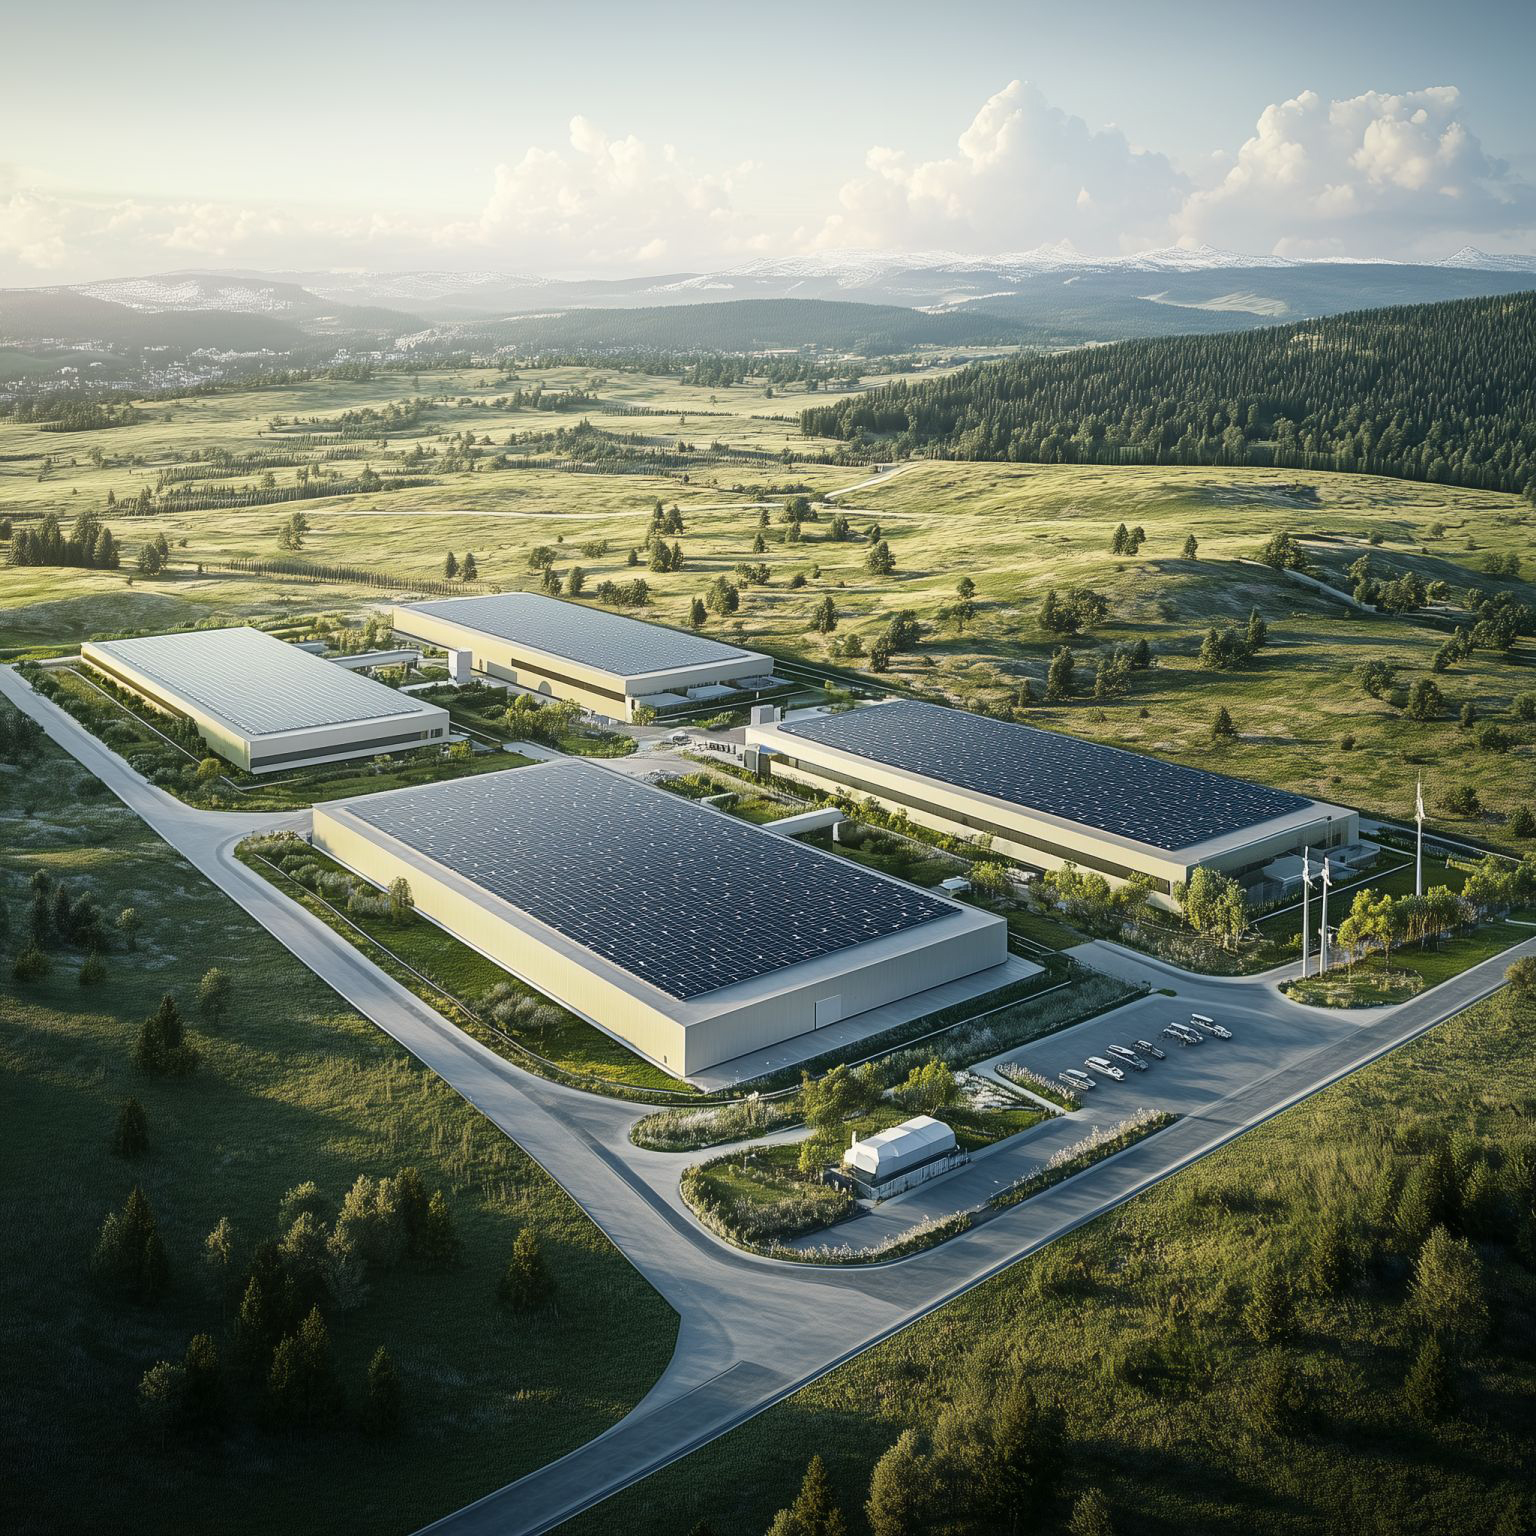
<point>1439,392</point>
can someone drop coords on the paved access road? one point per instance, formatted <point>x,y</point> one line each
<point>752,1330</point>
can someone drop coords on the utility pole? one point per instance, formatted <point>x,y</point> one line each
<point>1306,892</point>
<point>1418,854</point>
<point>1322,934</point>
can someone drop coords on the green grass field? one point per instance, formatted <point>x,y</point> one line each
<point>291,1086</point>
<point>1180,1446</point>
<point>1015,529</point>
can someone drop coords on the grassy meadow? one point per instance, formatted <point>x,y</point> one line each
<point>1016,530</point>
<point>290,1086</point>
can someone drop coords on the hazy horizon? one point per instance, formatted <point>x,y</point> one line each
<point>341,140</point>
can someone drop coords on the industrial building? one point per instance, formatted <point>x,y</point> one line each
<point>606,662</point>
<point>266,705</point>
<point>1047,799</point>
<point>691,936</point>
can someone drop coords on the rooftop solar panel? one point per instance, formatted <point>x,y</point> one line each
<point>256,683</point>
<point>685,898</point>
<point>1164,805</point>
<point>592,636</point>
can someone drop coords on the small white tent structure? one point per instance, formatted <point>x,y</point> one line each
<point>902,1156</point>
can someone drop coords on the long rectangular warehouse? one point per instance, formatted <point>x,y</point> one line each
<point>690,935</point>
<point>605,661</point>
<point>1048,799</point>
<point>266,705</point>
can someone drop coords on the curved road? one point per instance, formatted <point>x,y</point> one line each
<point>754,1330</point>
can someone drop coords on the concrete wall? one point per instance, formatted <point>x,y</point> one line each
<point>683,1037</point>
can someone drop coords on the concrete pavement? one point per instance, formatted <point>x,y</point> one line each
<point>754,1330</point>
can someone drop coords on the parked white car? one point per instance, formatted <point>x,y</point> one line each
<point>1151,1050</point>
<point>1182,1033</point>
<point>1075,1079</point>
<point>1128,1056</point>
<point>1106,1066</point>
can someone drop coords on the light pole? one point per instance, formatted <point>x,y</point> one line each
<point>1418,853</point>
<point>1322,934</point>
<point>1306,918</point>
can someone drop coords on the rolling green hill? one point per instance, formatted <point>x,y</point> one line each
<point>748,325</point>
<point>1440,392</point>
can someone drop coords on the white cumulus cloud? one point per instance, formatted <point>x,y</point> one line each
<point>1376,174</point>
<point>1025,172</point>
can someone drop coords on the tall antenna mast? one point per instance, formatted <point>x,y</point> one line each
<point>1306,893</point>
<point>1418,853</point>
<point>1322,934</point>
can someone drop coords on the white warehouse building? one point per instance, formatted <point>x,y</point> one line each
<point>606,662</point>
<point>1048,799</point>
<point>691,936</point>
<point>266,705</point>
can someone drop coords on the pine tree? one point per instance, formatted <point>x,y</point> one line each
<point>815,1510</point>
<point>1222,728</point>
<point>1091,1515</point>
<point>1117,545</point>
<point>131,1137</point>
<point>824,616</point>
<point>382,1398</point>
<point>526,1285</point>
<point>1330,1260</point>
<point>470,570</point>
<point>1267,1313</point>
<point>301,1384</point>
<point>1257,634</point>
<point>439,1245</point>
<point>1191,548</point>
<point>880,561</point>
<point>450,566</point>
<point>903,1489</point>
<point>214,993</point>
<point>1429,1389</point>
<point>162,1047</point>
<point>202,1385</point>
<point>698,614</point>
<point>1060,681</point>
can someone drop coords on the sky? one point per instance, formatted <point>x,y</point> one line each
<point>609,139</point>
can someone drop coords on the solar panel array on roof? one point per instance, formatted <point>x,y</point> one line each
<point>609,641</point>
<point>685,898</point>
<point>1164,805</point>
<point>257,683</point>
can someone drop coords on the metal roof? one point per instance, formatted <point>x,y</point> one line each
<point>901,1146</point>
<point>255,683</point>
<point>685,898</point>
<point>1150,801</point>
<point>593,637</point>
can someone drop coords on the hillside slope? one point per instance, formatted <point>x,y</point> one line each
<point>1442,392</point>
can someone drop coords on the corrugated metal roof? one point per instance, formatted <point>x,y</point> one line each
<point>611,642</point>
<point>256,684</point>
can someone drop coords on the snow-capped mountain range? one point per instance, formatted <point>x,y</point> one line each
<point>918,278</point>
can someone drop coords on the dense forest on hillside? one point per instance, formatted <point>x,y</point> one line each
<point>1442,392</point>
<point>748,325</point>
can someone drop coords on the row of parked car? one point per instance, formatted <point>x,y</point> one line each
<point>1135,1055</point>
